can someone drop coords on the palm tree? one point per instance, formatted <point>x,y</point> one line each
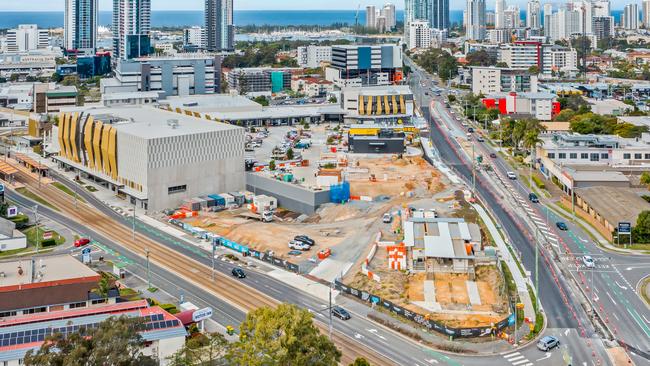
<point>104,285</point>
<point>531,140</point>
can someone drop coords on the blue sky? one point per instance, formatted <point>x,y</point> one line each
<point>57,5</point>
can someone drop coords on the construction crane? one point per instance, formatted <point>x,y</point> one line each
<point>356,16</point>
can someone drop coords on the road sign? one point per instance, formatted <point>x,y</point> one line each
<point>47,235</point>
<point>2,188</point>
<point>624,228</point>
<point>86,250</point>
<point>202,314</point>
<point>12,211</point>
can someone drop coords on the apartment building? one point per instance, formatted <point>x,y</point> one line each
<point>49,97</point>
<point>181,74</point>
<point>363,65</point>
<point>194,36</point>
<point>260,80</point>
<point>311,87</point>
<point>549,58</point>
<point>489,80</point>
<point>541,106</point>
<point>312,56</point>
<point>26,37</point>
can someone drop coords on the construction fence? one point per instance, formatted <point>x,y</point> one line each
<point>422,319</point>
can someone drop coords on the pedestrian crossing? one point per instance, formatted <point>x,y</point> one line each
<point>517,359</point>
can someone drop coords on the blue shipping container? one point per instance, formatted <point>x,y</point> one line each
<point>219,201</point>
<point>340,193</point>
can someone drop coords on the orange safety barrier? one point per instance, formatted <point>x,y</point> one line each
<point>324,253</point>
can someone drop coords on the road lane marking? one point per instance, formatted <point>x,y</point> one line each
<point>619,285</point>
<point>546,355</point>
<point>520,362</point>
<point>566,332</point>
<point>511,355</point>
<point>611,298</point>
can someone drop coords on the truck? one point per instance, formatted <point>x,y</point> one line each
<point>264,216</point>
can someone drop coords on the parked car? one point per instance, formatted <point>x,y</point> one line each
<point>340,313</point>
<point>298,245</point>
<point>305,239</point>
<point>480,139</point>
<point>493,155</point>
<point>81,242</point>
<point>562,226</point>
<point>533,197</point>
<point>547,343</point>
<point>238,272</point>
<point>470,129</point>
<point>511,175</point>
<point>588,261</point>
<point>387,218</point>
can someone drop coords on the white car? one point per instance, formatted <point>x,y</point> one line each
<point>588,261</point>
<point>511,175</point>
<point>298,245</point>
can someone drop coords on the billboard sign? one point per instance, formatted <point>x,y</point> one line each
<point>624,228</point>
<point>201,314</point>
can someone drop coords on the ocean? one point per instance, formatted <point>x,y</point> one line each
<point>241,17</point>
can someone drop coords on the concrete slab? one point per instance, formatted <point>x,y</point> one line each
<point>330,269</point>
<point>472,291</point>
<point>429,302</point>
<point>303,284</point>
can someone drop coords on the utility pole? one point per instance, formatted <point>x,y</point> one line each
<point>134,218</point>
<point>473,172</point>
<point>146,251</point>
<point>38,237</point>
<point>330,310</point>
<point>214,249</point>
<point>537,266</point>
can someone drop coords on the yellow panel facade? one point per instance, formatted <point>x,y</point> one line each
<point>362,109</point>
<point>88,142</point>
<point>112,152</point>
<point>402,105</point>
<point>369,107</point>
<point>97,138</point>
<point>386,106</point>
<point>66,135</point>
<point>395,110</point>
<point>106,168</point>
<point>62,117</point>
<point>380,111</point>
<point>178,110</point>
<point>74,156</point>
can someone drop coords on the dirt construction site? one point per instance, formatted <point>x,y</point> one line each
<point>456,308</point>
<point>396,181</point>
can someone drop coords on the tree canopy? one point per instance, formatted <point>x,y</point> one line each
<point>591,123</point>
<point>437,60</point>
<point>480,58</point>
<point>115,341</point>
<point>285,335</point>
<point>641,232</point>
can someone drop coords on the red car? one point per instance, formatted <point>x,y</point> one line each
<point>81,242</point>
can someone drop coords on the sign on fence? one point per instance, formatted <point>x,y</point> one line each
<point>419,318</point>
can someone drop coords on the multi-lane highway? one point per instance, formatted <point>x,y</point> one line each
<point>556,294</point>
<point>610,287</point>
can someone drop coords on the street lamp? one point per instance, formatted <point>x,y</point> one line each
<point>146,252</point>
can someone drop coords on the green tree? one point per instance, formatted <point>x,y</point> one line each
<point>285,335</point>
<point>261,100</point>
<point>645,178</point>
<point>272,165</point>
<point>14,77</point>
<point>480,58</point>
<point>360,361</point>
<point>565,115</point>
<point>209,349</point>
<point>451,98</point>
<point>332,99</point>
<point>104,285</point>
<point>290,154</point>
<point>56,77</point>
<point>534,70</point>
<point>501,64</point>
<point>641,232</point>
<point>115,341</point>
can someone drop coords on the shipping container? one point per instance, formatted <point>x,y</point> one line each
<point>218,200</point>
<point>265,203</point>
<point>228,199</point>
<point>210,200</point>
<point>239,198</point>
<point>202,203</point>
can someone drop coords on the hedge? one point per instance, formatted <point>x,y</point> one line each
<point>538,182</point>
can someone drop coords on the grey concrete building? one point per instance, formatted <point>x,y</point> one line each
<point>178,75</point>
<point>157,158</point>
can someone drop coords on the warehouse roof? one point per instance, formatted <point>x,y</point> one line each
<point>211,102</point>
<point>149,123</point>
<point>614,204</point>
<point>48,270</point>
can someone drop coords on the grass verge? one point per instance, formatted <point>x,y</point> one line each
<point>33,233</point>
<point>643,289</point>
<point>33,196</point>
<point>68,191</point>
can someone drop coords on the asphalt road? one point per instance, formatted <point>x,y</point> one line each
<point>556,296</point>
<point>399,349</point>
<point>610,287</point>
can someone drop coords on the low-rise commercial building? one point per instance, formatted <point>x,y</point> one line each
<point>163,333</point>
<point>26,37</point>
<point>10,238</point>
<point>50,97</point>
<point>241,111</point>
<point>492,80</point>
<point>18,96</point>
<point>311,86</point>
<point>378,139</point>
<point>312,56</point>
<point>48,284</point>
<point>380,104</point>
<point>155,157</point>
<point>28,62</point>
<point>183,74</point>
<point>542,106</point>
